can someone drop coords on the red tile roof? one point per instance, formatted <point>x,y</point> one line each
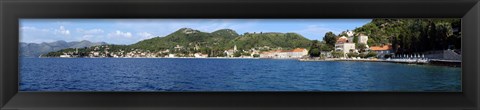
<point>298,50</point>
<point>378,48</point>
<point>342,40</point>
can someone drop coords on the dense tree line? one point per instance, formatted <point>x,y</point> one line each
<point>414,35</point>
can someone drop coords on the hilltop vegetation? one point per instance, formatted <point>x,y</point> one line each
<point>284,40</point>
<point>414,35</point>
<point>188,38</point>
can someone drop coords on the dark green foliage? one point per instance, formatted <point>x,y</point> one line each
<point>284,40</point>
<point>325,47</point>
<point>370,54</point>
<point>315,49</point>
<point>362,55</point>
<point>361,47</point>
<point>414,35</point>
<point>188,38</point>
<point>330,39</point>
<point>237,54</point>
<point>355,39</point>
<point>337,54</point>
<point>315,52</point>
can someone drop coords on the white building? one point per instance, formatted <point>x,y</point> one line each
<point>171,55</point>
<point>363,39</point>
<point>350,33</point>
<point>200,55</point>
<point>345,47</point>
<point>285,54</point>
<point>65,56</point>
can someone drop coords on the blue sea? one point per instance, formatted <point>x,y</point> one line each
<point>201,75</point>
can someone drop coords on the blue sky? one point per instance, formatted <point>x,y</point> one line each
<point>129,31</point>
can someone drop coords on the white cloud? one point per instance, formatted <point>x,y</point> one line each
<point>145,35</point>
<point>62,31</point>
<point>120,34</point>
<point>29,28</point>
<point>91,31</point>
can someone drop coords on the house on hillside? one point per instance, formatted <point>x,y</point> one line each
<point>362,39</point>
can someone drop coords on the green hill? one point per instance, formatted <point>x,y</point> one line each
<point>187,37</point>
<point>193,41</point>
<point>284,40</point>
<point>222,39</point>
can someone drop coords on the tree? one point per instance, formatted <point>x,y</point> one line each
<point>325,47</point>
<point>330,39</point>
<point>337,54</point>
<point>314,52</point>
<point>353,54</point>
<point>237,54</point>
<point>314,49</point>
<point>355,39</point>
<point>371,54</point>
<point>362,47</point>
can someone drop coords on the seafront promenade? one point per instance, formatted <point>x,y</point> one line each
<point>454,63</point>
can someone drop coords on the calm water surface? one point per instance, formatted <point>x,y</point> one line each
<point>152,74</point>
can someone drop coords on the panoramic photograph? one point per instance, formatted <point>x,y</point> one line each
<point>240,55</point>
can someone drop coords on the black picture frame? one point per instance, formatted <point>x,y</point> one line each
<point>12,10</point>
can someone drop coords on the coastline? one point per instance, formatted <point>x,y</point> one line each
<point>435,62</point>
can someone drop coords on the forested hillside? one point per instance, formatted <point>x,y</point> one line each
<point>414,35</point>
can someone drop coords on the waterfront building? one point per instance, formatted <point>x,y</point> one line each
<point>171,55</point>
<point>285,54</point>
<point>344,45</point>
<point>382,50</point>
<point>229,53</point>
<point>200,55</point>
<point>65,56</point>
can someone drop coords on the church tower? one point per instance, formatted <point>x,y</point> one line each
<point>235,48</point>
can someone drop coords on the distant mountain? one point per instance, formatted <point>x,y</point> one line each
<point>36,49</point>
